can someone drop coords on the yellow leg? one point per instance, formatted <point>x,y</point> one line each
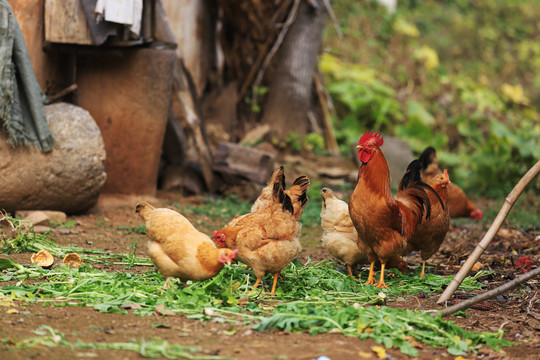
<point>167,284</point>
<point>276,275</point>
<point>370,279</point>
<point>256,284</point>
<point>349,270</point>
<point>423,268</point>
<point>381,283</point>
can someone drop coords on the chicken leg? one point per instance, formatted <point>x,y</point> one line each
<point>276,275</point>
<point>256,283</point>
<point>370,279</point>
<point>423,269</point>
<point>381,283</point>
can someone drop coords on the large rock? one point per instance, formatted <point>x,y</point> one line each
<point>68,179</point>
<point>399,155</point>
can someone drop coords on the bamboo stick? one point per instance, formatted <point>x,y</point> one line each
<point>488,237</point>
<point>489,294</point>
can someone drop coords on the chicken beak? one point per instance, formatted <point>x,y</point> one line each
<point>229,261</point>
<point>359,147</point>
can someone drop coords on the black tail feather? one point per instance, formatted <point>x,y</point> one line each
<point>411,179</point>
<point>427,156</point>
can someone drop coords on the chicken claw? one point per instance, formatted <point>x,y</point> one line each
<point>371,278</point>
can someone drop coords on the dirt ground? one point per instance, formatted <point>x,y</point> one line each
<point>518,311</point>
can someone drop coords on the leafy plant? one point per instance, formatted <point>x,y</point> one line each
<point>314,297</point>
<point>27,240</point>
<point>454,75</point>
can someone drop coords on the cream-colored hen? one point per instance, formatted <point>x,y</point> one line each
<point>339,235</point>
<point>178,249</point>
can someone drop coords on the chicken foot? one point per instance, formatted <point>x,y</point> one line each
<point>371,279</point>
<point>256,283</point>
<point>276,275</point>
<point>167,284</point>
<point>422,275</point>
<point>381,283</point>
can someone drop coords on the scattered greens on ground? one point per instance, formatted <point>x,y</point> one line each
<point>27,240</point>
<point>153,348</point>
<point>314,298</point>
<point>139,229</point>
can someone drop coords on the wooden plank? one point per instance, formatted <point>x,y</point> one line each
<point>250,163</point>
<point>65,23</point>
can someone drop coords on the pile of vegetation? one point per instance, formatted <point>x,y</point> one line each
<point>312,297</point>
<point>462,74</point>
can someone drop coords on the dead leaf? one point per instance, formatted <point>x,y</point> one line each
<point>162,310</point>
<point>130,306</point>
<point>12,311</point>
<point>364,355</point>
<point>380,351</point>
<point>477,266</point>
<point>535,324</point>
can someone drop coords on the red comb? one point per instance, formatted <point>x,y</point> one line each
<point>369,136</point>
<point>446,174</point>
<point>234,252</point>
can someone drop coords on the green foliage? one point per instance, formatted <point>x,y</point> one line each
<point>314,298</point>
<point>314,142</point>
<point>454,75</point>
<point>27,240</point>
<point>47,336</point>
<point>220,208</point>
<point>139,229</point>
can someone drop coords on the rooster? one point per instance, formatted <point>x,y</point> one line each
<point>459,204</point>
<point>267,239</point>
<point>429,234</point>
<point>384,223</point>
<point>177,249</point>
<point>340,237</point>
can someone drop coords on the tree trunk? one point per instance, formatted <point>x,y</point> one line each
<point>289,93</point>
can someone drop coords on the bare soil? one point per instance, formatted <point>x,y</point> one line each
<point>517,312</point>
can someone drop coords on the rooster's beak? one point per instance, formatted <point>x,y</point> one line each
<point>359,147</point>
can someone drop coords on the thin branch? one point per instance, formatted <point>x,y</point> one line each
<point>489,294</point>
<point>274,49</point>
<point>62,93</point>
<point>488,237</point>
<point>335,21</point>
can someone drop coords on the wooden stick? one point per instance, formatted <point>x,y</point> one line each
<point>488,294</point>
<point>335,21</point>
<point>329,136</point>
<point>488,237</point>
<point>71,88</point>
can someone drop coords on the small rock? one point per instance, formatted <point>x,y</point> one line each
<point>35,217</point>
<point>41,229</point>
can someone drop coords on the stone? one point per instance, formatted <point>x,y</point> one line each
<point>34,217</point>
<point>398,155</point>
<point>68,179</point>
<point>49,217</point>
